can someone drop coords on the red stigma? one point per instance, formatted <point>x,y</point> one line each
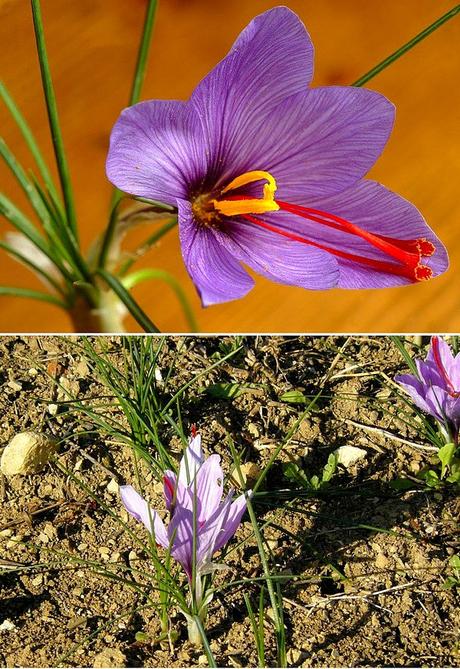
<point>193,431</point>
<point>168,485</point>
<point>437,358</point>
<point>404,255</point>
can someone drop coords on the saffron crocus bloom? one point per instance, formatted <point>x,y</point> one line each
<point>194,500</point>
<point>436,389</point>
<point>268,172</point>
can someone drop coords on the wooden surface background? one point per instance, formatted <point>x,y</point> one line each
<point>92,46</point>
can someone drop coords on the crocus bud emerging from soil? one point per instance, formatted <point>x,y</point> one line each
<point>436,389</point>
<point>26,453</point>
<point>194,500</point>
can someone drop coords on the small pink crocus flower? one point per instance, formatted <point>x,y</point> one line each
<point>436,387</point>
<point>199,520</point>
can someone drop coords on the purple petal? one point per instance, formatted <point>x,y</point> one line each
<point>217,275</point>
<point>169,487</point>
<point>191,461</point>
<point>175,492</point>
<point>321,141</point>
<point>452,409</point>
<point>233,520</point>
<point>270,60</point>
<point>437,400</point>
<point>278,258</point>
<point>156,150</point>
<point>373,208</point>
<point>416,390</point>
<point>209,532</point>
<point>180,534</point>
<point>454,372</point>
<point>140,510</point>
<point>209,488</point>
<point>445,355</point>
<point>430,374</point>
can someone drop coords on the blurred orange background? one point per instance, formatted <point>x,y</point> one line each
<point>92,48</point>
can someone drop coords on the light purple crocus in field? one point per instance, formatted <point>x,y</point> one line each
<point>436,389</point>
<point>267,172</point>
<point>194,499</point>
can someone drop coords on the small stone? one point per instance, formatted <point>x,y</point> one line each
<point>68,389</point>
<point>113,487</point>
<point>82,369</point>
<point>52,409</point>
<point>381,562</point>
<point>43,538</point>
<point>6,532</point>
<point>250,472</point>
<point>78,465</point>
<point>103,550</point>
<point>50,530</point>
<point>38,580</point>
<point>32,372</point>
<point>294,657</point>
<point>270,614</point>
<point>14,385</point>
<point>114,557</point>
<point>7,626</point>
<point>132,556</point>
<point>26,453</point>
<point>82,546</point>
<point>254,430</point>
<point>272,544</point>
<point>203,661</point>
<point>109,657</point>
<point>348,455</point>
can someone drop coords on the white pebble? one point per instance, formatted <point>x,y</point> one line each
<point>26,453</point>
<point>112,487</point>
<point>14,385</point>
<point>348,455</point>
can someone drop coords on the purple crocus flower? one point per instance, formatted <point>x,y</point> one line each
<point>268,172</point>
<point>436,389</point>
<point>194,499</point>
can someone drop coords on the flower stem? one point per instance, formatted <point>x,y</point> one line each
<point>53,118</point>
<point>406,47</point>
<point>204,639</point>
<point>132,306</point>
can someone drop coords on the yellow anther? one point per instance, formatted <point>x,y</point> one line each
<point>249,205</point>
